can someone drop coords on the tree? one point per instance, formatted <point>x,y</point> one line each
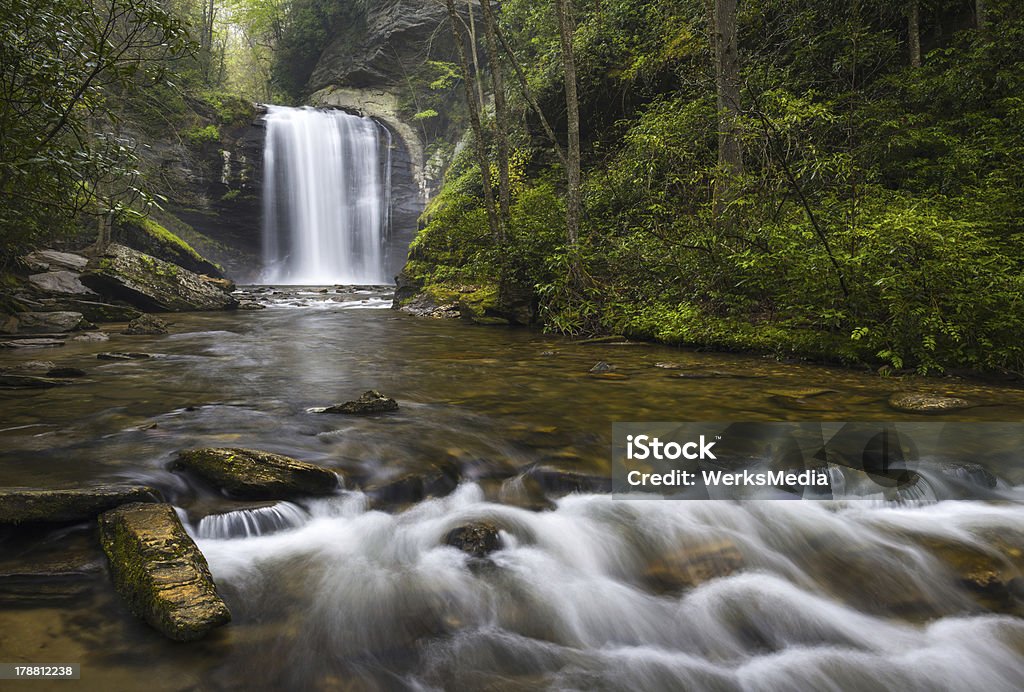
<point>727,83</point>
<point>474,106</point>
<point>501,120</point>
<point>566,29</point>
<point>914,32</point>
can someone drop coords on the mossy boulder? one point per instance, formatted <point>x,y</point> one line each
<point>152,284</point>
<point>153,238</point>
<point>160,572</point>
<point>255,474</point>
<point>31,505</point>
<point>371,401</point>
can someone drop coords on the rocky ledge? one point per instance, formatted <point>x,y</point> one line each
<point>25,505</point>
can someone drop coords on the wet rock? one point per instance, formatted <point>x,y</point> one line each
<point>691,565</point>
<point>224,284</point>
<point>93,337</point>
<point>160,572</point>
<point>95,311</point>
<point>60,283</point>
<point>48,260</point>
<point>524,492</point>
<point>50,322</point>
<point>669,366</point>
<point>923,402</point>
<point>967,472</point>
<point>559,482</point>
<point>152,284</point>
<point>437,481</point>
<point>32,343</point>
<point>146,325</point>
<point>992,577</point>
<point>37,366</point>
<point>478,539</point>
<point>123,355</point>
<point>65,372</point>
<point>423,305</point>
<point>601,367</point>
<point>256,474</point>
<point>371,401</point>
<point>48,580</point>
<point>250,305</point>
<point>18,381</point>
<point>21,505</point>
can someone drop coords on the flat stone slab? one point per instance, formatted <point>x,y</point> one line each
<point>61,282</point>
<point>50,259</point>
<point>20,505</point>
<point>251,473</point>
<point>160,572</point>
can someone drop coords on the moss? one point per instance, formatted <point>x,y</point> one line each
<point>160,233</point>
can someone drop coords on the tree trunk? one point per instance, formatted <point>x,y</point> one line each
<point>500,112</point>
<point>566,28</point>
<point>914,32</point>
<point>474,121</point>
<point>472,48</point>
<point>727,81</point>
<point>981,15</point>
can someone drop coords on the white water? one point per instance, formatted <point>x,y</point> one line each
<point>258,521</point>
<point>326,198</point>
<point>565,604</point>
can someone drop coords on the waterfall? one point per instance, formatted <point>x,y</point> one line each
<point>258,521</point>
<point>326,197</point>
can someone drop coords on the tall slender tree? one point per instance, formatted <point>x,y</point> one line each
<point>566,30</point>
<point>727,82</point>
<point>914,32</point>
<point>501,119</point>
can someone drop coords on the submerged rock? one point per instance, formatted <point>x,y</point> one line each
<point>123,355</point>
<point>146,324</point>
<point>692,565</point>
<point>32,343</point>
<point>152,284</point>
<point>65,371</point>
<point>160,572</point>
<point>479,539</point>
<point>21,505</point>
<point>437,481</point>
<point>923,402</point>
<point>558,482</point>
<point>602,367</point>
<point>21,381</point>
<point>371,401</point>
<point>252,473</point>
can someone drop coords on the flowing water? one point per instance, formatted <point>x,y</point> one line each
<point>587,591</point>
<point>326,197</point>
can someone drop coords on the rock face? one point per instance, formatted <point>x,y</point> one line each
<point>478,539</point>
<point>371,401</point>
<point>160,572</point>
<point>61,282</point>
<point>152,284</point>
<point>20,505</point>
<point>250,473</point>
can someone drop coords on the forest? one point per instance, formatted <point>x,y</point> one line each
<point>838,181</point>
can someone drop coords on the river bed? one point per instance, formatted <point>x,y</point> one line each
<point>347,596</point>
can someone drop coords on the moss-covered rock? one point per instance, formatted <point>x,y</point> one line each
<point>27,505</point>
<point>152,284</point>
<point>251,473</point>
<point>153,238</point>
<point>160,572</point>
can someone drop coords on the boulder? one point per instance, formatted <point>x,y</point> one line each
<point>50,322</point>
<point>371,401</point>
<point>152,284</point>
<point>51,260</point>
<point>251,305</point>
<point>438,480</point>
<point>20,505</point>
<point>251,473</point>
<point>92,337</point>
<point>146,324</point>
<point>60,282</point>
<point>159,571</point>
<point>478,539</point>
<point>923,402</point>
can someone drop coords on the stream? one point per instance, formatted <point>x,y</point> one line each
<point>591,593</point>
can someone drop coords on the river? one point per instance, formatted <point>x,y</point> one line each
<point>585,594</point>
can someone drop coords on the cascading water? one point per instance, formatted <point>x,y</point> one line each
<point>326,197</point>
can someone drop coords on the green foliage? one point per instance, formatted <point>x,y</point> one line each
<point>198,135</point>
